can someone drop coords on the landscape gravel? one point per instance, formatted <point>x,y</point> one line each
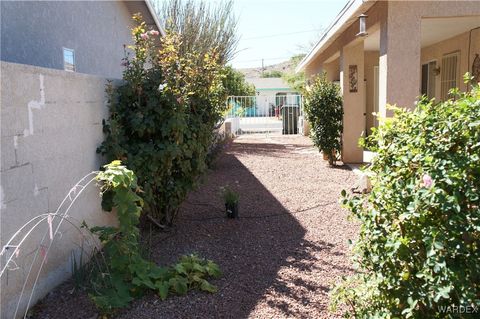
<point>279,259</point>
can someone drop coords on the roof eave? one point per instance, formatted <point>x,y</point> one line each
<point>350,10</point>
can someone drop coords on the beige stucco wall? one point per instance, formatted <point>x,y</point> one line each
<point>371,60</point>
<point>353,104</point>
<point>50,129</point>
<point>332,70</point>
<point>400,52</point>
<point>459,43</point>
<point>315,67</point>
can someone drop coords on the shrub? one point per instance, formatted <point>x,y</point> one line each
<point>324,110</point>
<point>296,80</point>
<point>271,74</point>
<point>419,245</point>
<point>235,84</point>
<point>229,196</point>
<point>162,118</point>
<point>123,273</point>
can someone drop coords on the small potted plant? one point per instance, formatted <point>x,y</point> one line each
<point>231,202</point>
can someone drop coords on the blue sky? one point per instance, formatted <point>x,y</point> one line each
<point>277,29</point>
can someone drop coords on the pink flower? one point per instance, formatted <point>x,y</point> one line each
<point>154,32</point>
<point>144,36</point>
<point>43,253</point>
<point>427,181</point>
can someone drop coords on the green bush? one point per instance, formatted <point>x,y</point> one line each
<point>162,118</point>
<point>295,80</point>
<point>419,246</point>
<point>271,74</point>
<point>324,110</point>
<point>235,84</point>
<point>121,274</point>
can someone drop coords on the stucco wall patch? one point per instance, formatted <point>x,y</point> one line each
<point>50,129</point>
<point>35,105</point>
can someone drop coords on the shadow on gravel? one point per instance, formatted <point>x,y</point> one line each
<point>250,251</point>
<point>264,149</point>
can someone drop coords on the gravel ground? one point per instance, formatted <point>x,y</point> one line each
<point>279,259</point>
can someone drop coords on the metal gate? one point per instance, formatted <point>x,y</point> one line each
<point>278,114</point>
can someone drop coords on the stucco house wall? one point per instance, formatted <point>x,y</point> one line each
<point>397,26</point>
<point>404,36</point>
<point>35,32</point>
<point>371,61</point>
<point>466,44</point>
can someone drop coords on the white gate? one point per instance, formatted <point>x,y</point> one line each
<point>280,114</point>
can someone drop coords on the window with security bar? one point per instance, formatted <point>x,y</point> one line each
<point>428,79</point>
<point>449,73</point>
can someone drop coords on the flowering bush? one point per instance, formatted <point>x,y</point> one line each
<point>162,118</point>
<point>324,109</point>
<point>419,245</point>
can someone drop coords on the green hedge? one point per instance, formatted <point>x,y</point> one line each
<point>419,246</point>
<point>324,110</point>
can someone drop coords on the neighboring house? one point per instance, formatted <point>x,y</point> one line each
<point>406,49</point>
<point>271,93</point>
<point>81,36</point>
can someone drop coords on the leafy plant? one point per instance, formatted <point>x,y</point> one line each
<point>162,118</point>
<point>324,110</point>
<point>296,80</point>
<point>235,84</point>
<point>78,268</point>
<point>271,74</point>
<point>127,274</point>
<point>220,142</point>
<point>230,197</point>
<point>419,245</point>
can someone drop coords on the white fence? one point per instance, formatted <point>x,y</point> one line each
<point>281,114</point>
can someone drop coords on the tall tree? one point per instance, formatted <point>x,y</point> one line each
<point>235,84</point>
<point>296,80</point>
<point>202,26</point>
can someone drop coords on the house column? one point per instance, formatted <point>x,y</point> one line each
<point>399,63</point>
<point>354,108</point>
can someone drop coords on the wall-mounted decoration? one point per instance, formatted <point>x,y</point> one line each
<point>353,78</point>
<point>476,68</point>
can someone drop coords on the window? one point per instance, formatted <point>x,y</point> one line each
<point>449,73</point>
<point>68,60</point>
<point>428,79</point>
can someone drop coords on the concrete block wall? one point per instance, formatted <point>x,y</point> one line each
<point>50,129</point>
